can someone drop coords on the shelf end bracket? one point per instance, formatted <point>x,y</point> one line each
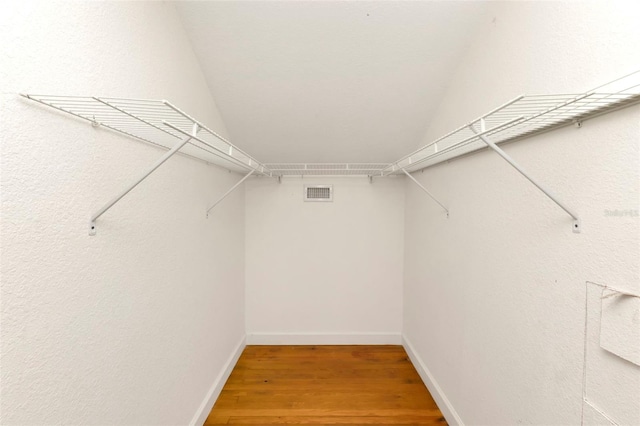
<point>161,161</point>
<point>575,225</point>
<point>427,191</point>
<point>229,191</point>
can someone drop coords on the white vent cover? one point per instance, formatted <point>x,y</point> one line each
<point>318,192</point>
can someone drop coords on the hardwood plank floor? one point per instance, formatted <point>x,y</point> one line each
<point>325,385</point>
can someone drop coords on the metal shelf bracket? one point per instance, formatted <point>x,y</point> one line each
<point>229,191</point>
<point>161,161</point>
<point>425,190</point>
<point>575,226</point>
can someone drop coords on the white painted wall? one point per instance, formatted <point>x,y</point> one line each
<point>131,326</point>
<point>494,296</point>
<point>324,272</point>
<point>134,325</point>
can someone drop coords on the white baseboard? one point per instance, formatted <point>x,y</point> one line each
<point>211,397</point>
<point>324,339</point>
<point>438,395</point>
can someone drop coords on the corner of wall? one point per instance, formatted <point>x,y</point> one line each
<point>447,409</point>
<point>216,388</point>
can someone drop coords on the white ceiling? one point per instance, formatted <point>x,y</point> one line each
<point>329,81</point>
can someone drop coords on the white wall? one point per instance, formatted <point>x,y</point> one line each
<point>320,272</point>
<point>131,326</point>
<point>134,325</point>
<point>494,296</point>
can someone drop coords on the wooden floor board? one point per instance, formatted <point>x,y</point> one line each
<point>325,385</point>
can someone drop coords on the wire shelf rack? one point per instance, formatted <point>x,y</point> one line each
<point>327,169</point>
<point>522,117</point>
<point>161,123</point>
<point>157,122</point>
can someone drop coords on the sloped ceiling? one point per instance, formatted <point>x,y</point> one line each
<point>329,81</point>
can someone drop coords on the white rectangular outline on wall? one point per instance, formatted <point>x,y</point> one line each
<point>585,399</point>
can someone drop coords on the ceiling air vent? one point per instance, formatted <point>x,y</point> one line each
<point>318,192</point>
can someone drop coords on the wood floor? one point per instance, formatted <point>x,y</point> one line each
<point>325,385</point>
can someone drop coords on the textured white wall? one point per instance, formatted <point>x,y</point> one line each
<point>494,296</point>
<point>131,326</point>
<point>324,272</point>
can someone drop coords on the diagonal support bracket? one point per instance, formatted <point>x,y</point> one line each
<point>229,191</point>
<point>425,190</point>
<point>161,161</point>
<point>575,226</point>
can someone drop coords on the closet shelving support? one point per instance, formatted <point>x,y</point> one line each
<point>426,191</point>
<point>547,192</point>
<point>521,117</point>
<point>160,123</point>
<point>163,124</point>
<point>327,169</point>
<point>229,191</point>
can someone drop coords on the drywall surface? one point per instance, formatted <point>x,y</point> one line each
<point>620,325</point>
<point>324,272</point>
<point>494,296</point>
<point>601,398</point>
<point>131,326</point>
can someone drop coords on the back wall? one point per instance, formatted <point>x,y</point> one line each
<point>324,272</point>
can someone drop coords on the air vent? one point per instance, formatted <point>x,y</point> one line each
<point>318,192</point>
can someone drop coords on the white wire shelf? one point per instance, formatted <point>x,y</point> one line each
<point>157,122</point>
<point>161,123</point>
<point>521,117</point>
<point>327,169</point>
